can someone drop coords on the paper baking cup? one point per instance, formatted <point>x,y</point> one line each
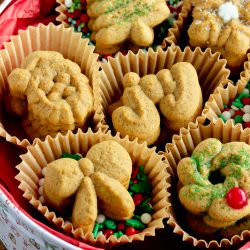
<point>175,34</point>
<point>215,104</point>
<point>51,37</point>
<point>42,153</point>
<point>183,146</point>
<point>211,72</point>
<point>61,9</point>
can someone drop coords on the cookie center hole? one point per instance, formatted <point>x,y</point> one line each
<point>216,177</point>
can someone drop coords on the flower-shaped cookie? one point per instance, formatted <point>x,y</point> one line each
<point>115,22</point>
<point>177,91</point>
<point>222,26</point>
<point>51,93</point>
<point>220,202</point>
<point>98,181</point>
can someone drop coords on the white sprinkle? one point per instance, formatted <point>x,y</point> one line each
<point>40,190</point>
<point>246,109</point>
<point>79,154</point>
<point>228,12</point>
<point>43,171</point>
<point>41,182</point>
<point>99,233</point>
<point>100,218</point>
<point>226,115</point>
<point>246,117</point>
<point>232,112</point>
<point>234,108</point>
<point>41,199</point>
<point>68,3</point>
<point>146,218</point>
<point>245,91</point>
<point>104,60</point>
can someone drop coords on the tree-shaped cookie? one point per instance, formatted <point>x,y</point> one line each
<point>117,21</point>
<point>222,26</point>
<point>98,181</point>
<point>51,94</point>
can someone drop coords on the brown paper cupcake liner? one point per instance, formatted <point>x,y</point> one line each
<point>215,104</point>
<point>40,154</point>
<point>51,37</point>
<point>211,72</point>
<point>182,146</point>
<point>175,34</point>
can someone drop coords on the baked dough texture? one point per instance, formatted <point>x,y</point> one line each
<point>176,91</point>
<point>207,200</point>
<point>51,94</point>
<point>222,26</point>
<point>113,22</point>
<point>90,186</point>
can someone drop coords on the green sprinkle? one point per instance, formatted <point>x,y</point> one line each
<point>238,119</point>
<point>225,106</point>
<point>95,230</point>
<point>135,224</point>
<point>72,156</point>
<point>137,217</point>
<point>222,117</point>
<point>110,224</point>
<point>118,234</point>
<point>238,104</point>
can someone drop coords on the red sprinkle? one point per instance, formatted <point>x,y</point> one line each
<point>237,198</point>
<point>84,18</point>
<point>108,232</point>
<point>136,181</point>
<point>69,14</point>
<point>130,231</point>
<point>226,109</point>
<point>246,100</point>
<point>135,171</point>
<point>120,226</point>
<point>78,22</point>
<point>85,29</point>
<point>138,198</point>
<point>107,56</point>
<point>239,112</point>
<point>77,13</point>
<point>246,124</point>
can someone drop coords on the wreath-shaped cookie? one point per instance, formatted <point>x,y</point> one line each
<point>220,203</point>
<point>222,26</point>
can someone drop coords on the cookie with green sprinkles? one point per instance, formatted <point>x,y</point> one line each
<point>92,189</point>
<point>80,16</point>
<point>212,194</point>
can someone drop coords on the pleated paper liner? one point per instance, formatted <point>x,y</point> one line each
<point>177,35</point>
<point>51,38</point>
<point>215,104</point>
<point>211,72</point>
<point>42,153</point>
<point>182,146</point>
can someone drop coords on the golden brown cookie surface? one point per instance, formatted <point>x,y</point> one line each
<point>51,93</point>
<point>222,26</point>
<point>114,22</point>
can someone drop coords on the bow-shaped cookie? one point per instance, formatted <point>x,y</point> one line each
<point>98,181</point>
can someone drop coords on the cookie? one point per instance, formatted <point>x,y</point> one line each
<point>50,93</point>
<point>222,26</point>
<point>114,23</point>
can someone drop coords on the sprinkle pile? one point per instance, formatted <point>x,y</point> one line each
<point>238,109</point>
<point>78,19</point>
<point>140,190</point>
